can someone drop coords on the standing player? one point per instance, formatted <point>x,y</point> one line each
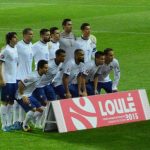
<point>9,59</point>
<point>67,82</point>
<point>53,45</point>
<point>67,39</point>
<point>104,81</point>
<point>84,42</point>
<point>25,57</point>
<point>26,86</point>
<point>90,73</point>
<point>40,48</point>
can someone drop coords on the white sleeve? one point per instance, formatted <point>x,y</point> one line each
<point>28,80</point>
<point>67,68</point>
<point>3,55</point>
<point>116,75</point>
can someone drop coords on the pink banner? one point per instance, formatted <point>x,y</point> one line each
<point>101,110</point>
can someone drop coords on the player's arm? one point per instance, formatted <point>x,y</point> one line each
<point>21,88</point>
<point>65,80</point>
<point>3,54</point>
<point>95,83</point>
<point>2,82</point>
<point>81,85</point>
<point>116,77</point>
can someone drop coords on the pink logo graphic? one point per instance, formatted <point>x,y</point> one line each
<point>102,110</point>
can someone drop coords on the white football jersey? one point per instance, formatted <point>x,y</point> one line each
<point>68,43</point>
<point>40,51</point>
<point>106,70</point>
<point>90,70</point>
<point>30,82</point>
<point>88,47</point>
<point>25,57</point>
<point>10,57</point>
<point>71,69</point>
<point>53,47</point>
<point>53,69</point>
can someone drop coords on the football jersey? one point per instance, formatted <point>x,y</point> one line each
<point>25,57</point>
<point>68,43</point>
<point>53,69</point>
<point>40,52</point>
<point>53,47</point>
<point>9,56</point>
<point>30,83</point>
<point>71,69</point>
<point>90,70</point>
<point>88,47</point>
<point>105,71</point>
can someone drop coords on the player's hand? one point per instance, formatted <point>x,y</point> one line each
<point>96,92</point>
<point>25,99</point>
<point>68,95</point>
<point>84,93</point>
<point>2,83</point>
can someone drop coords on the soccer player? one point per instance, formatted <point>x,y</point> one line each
<point>67,39</point>
<point>26,86</point>
<point>9,59</point>
<point>67,81</point>
<point>90,73</point>
<point>111,64</point>
<point>84,42</point>
<point>40,48</point>
<point>47,92</point>
<point>53,45</point>
<point>25,57</point>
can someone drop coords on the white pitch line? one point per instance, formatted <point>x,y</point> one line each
<point>93,31</point>
<point>79,4</point>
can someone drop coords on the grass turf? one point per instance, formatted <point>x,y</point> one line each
<point>122,25</point>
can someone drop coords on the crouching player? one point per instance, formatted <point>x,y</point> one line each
<point>90,77</point>
<point>111,64</point>
<point>26,86</point>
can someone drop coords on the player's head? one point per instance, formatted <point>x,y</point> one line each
<point>109,55</point>
<point>67,25</point>
<point>86,30</point>
<point>79,55</point>
<point>42,67</point>
<point>27,35</point>
<point>11,38</point>
<point>60,55</point>
<point>45,35</point>
<point>54,33</point>
<point>99,58</point>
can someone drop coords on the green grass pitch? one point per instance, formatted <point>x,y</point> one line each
<point>123,25</point>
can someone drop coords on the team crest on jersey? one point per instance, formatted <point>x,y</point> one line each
<point>2,56</point>
<point>111,67</point>
<point>25,80</point>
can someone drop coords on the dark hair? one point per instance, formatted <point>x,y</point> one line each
<point>107,50</point>
<point>98,54</point>
<point>52,30</point>
<point>43,31</point>
<point>64,22</point>
<point>26,30</point>
<point>77,51</point>
<point>41,64</point>
<point>59,51</point>
<point>9,36</point>
<point>84,25</point>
